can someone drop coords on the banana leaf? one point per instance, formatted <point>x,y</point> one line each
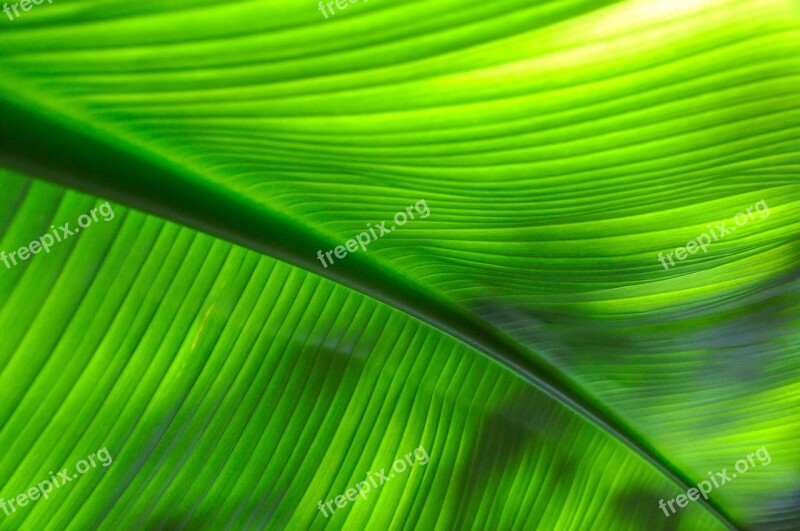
<point>529,331</point>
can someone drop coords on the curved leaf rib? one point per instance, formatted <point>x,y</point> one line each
<point>58,146</point>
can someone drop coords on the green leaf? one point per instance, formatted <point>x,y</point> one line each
<point>560,147</point>
<point>232,389</point>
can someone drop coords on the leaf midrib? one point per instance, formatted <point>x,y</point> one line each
<point>57,145</point>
